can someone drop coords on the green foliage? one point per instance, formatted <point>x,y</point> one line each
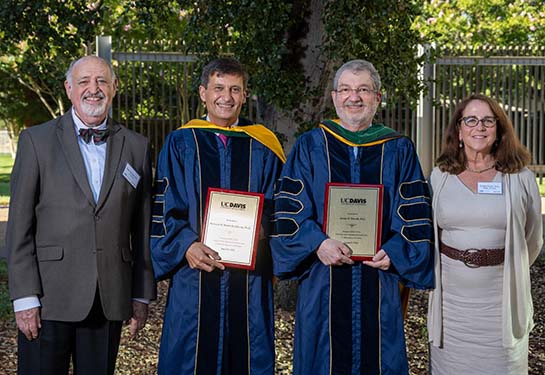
<point>19,106</point>
<point>378,31</point>
<point>269,36</point>
<point>476,23</point>
<point>255,32</point>
<point>39,40</point>
<point>141,19</point>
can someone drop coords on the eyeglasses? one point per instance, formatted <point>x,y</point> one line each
<point>472,121</point>
<point>361,91</point>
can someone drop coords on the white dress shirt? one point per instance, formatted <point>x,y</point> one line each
<point>94,156</point>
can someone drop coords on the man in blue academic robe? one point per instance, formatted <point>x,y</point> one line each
<point>349,315</point>
<point>218,320</point>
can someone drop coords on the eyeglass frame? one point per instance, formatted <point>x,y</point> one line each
<point>360,91</point>
<point>481,120</point>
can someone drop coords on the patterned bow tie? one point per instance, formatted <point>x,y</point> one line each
<point>98,135</point>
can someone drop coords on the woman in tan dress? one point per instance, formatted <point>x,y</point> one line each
<point>487,220</point>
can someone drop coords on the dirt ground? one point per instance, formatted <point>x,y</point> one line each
<point>140,356</point>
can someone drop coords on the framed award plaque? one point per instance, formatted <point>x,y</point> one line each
<point>231,226</point>
<point>353,215</point>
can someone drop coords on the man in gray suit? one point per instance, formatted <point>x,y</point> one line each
<point>78,231</point>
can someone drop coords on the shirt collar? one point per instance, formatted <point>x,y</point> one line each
<point>80,125</point>
<point>234,124</point>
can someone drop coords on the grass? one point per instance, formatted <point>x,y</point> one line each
<point>6,164</point>
<point>6,311</point>
<point>541,186</point>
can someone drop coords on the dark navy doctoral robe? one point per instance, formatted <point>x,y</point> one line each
<point>349,318</point>
<point>219,322</point>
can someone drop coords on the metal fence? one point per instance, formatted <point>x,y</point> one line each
<point>513,76</point>
<point>156,94</point>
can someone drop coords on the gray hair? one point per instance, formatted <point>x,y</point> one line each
<point>358,66</point>
<point>85,58</point>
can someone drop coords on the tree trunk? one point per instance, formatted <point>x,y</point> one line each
<point>318,71</point>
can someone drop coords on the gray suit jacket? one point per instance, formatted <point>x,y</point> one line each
<point>61,244</point>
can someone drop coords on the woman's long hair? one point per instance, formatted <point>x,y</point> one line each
<point>510,155</point>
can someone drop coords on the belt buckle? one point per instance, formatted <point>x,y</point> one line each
<point>465,257</point>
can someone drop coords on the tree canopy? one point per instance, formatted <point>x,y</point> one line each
<point>479,23</point>
<point>39,38</point>
<point>291,48</point>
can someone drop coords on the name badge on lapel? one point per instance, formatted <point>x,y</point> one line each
<point>490,188</point>
<point>131,175</point>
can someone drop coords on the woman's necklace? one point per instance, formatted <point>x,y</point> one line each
<point>480,170</point>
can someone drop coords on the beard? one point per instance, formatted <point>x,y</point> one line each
<point>93,110</point>
<point>355,119</point>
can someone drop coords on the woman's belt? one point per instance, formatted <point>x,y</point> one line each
<point>474,258</point>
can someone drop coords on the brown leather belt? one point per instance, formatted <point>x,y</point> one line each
<point>474,258</point>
